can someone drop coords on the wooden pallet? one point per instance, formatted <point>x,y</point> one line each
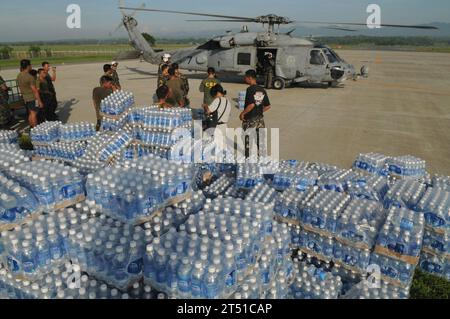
<point>391,254</point>
<point>26,220</point>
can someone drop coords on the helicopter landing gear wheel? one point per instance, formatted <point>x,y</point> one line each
<point>279,84</point>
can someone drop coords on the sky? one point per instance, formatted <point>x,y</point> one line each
<point>31,20</point>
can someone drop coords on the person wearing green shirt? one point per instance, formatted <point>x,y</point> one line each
<point>206,86</point>
<point>30,94</point>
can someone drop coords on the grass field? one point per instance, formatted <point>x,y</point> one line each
<point>103,52</point>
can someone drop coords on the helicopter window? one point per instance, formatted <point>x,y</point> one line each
<point>244,59</point>
<point>316,58</point>
<point>331,56</point>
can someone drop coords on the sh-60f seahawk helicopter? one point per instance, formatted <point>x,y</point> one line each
<point>297,60</point>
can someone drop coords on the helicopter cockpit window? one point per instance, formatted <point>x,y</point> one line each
<point>316,58</point>
<point>331,56</point>
<point>244,59</point>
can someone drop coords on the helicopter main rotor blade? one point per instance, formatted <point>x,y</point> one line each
<point>142,6</point>
<point>340,29</point>
<point>224,20</point>
<point>189,13</point>
<point>423,27</point>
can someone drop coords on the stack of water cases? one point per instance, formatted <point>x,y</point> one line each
<point>339,180</point>
<point>109,250</point>
<point>398,246</point>
<point>17,204</point>
<point>435,255</point>
<point>159,129</point>
<point>252,172</point>
<point>8,137</point>
<point>67,143</point>
<point>11,158</point>
<point>373,163</point>
<point>380,290</point>
<point>372,187</point>
<point>31,251</point>
<point>213,252</point>
<point>407,167</point>
<point>54,185</point>
<point>115,110</point>
<point>139,188</point>
<point>312,282</point>
<point>294,174</point>
<point>103,149</point>
<point>404,193</point>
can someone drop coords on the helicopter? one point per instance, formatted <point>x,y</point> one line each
<point>297,60</point>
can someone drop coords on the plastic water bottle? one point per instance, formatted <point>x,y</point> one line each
<point>8,137</point>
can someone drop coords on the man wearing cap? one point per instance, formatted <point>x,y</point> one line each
<point>165,60</point>
<point>115,75</point>
<point>268,67</point>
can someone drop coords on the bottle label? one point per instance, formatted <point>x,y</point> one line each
<point>28,267</point>
<point>43,257</point>
<point>13,264</point>
<point>212,291</point>
<point>68,191</point>
<point>135,267</point>
<point>231,279</point>
<point>183,284</point>
<point>196,287</point>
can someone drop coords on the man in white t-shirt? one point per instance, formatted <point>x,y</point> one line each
<point>220,109</point>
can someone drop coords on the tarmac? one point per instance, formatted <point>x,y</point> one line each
<point>402,108</point>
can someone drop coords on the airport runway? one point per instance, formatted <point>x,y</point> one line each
<point>402,108</point>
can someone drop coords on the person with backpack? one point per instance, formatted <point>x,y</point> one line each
<point>218,112</point>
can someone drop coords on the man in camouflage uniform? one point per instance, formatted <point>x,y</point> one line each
<point>5,112</point>
<point>256,104</point>
<point>115,75</point>
<point>164,76</point>
<point>185,82</point>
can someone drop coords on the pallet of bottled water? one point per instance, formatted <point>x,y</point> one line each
<point>54,185</point>
<point>313,282</point>
<point>117,103</point>
<point>262,193</point>
<point>68,282</point>
<point>8,137</point>
<point>219,187</point>
<point>156,118</point>
<point>139,189</point>
<point>66,152</point>
<point>46,133</point>
<point>398,245</point>
<point>17,204</point>
<point>33,250</point>
<point>442,182</point>
<point>213,250</point>
<point>108,249</point>
<point>90,160</point>
<point>10,158</point>
<point>407,166</point>
<point>75,132</point>
<point>373,163</point>
<point>294,174</point>
<point>339,180</point>
<point>321,212</point>
<point>404,194</point>
<point>381,290</point>
<point>249,175</point>
<point>435,255</point>
<point>273,273</point>
<point>371,188</point>
<point>287,204</point>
